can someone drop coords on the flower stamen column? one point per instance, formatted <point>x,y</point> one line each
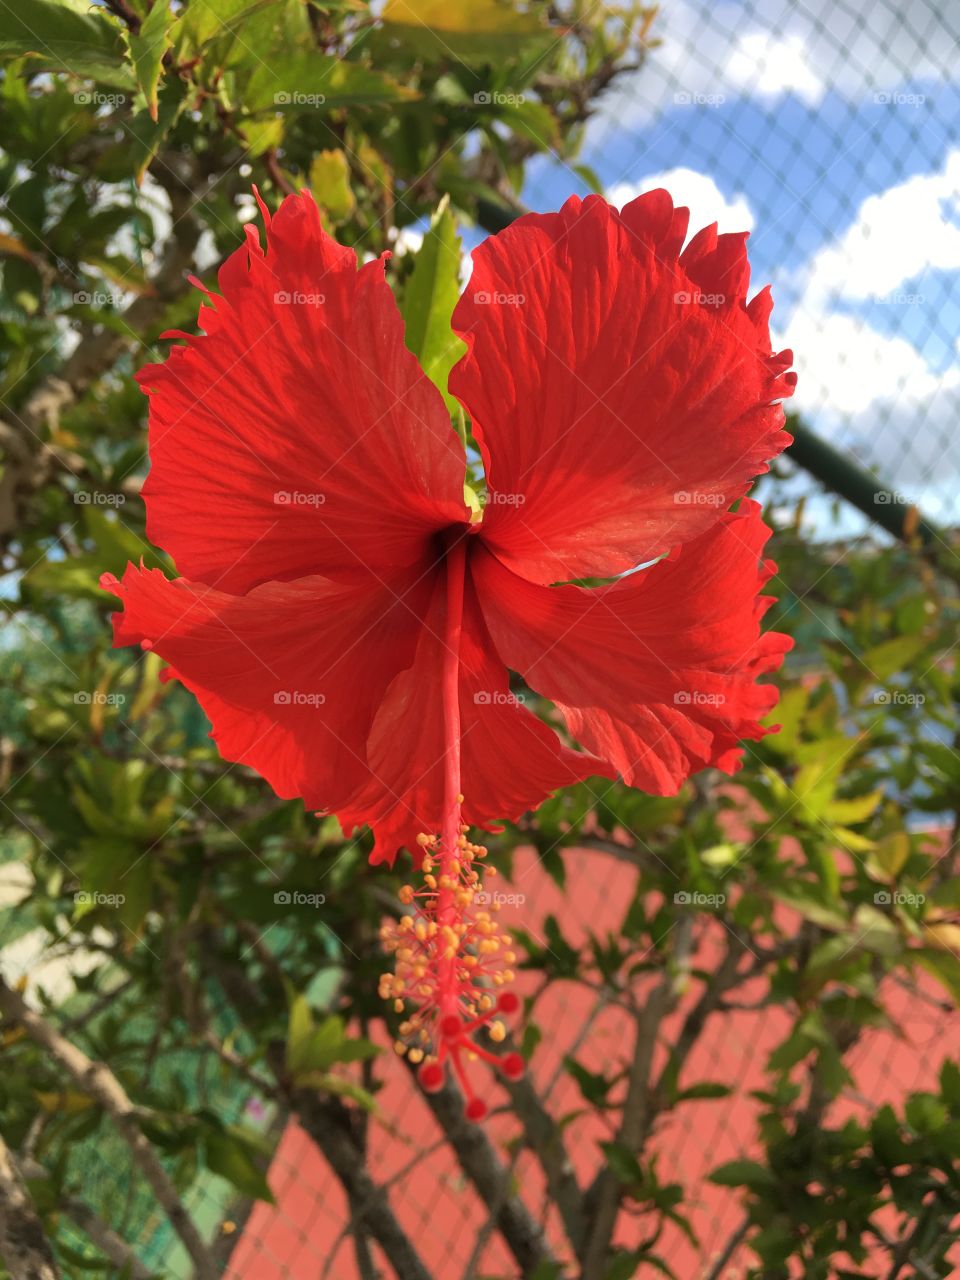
<point>450,954</point>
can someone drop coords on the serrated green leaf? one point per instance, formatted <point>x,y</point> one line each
<point>429,298</point>
<point>147,47</point>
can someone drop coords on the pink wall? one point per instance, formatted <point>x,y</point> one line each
<point>301,1236</point>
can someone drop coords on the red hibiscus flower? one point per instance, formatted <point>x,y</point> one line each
<point>349,626</point>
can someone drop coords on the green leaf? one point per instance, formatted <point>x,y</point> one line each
<point>147,48</point>
<point>299,1031</point>
<point>474,31</point>
<point>885,660</point>
<point>330,183</point>
<point>63,38</point>
<point>307,81</point>
<point>229,1154</point>
<point>708,1089</point>
<point>429,298</point>
<point>743,1173</point>
<point>623,1163</point>
<point>944,966</point>
<point>205,20</point>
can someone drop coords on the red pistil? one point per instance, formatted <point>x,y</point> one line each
<point>450,954</point>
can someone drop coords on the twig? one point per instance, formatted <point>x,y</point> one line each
<point>24,1246</point>
<point>729,1249</point>
<point>98,1082</point>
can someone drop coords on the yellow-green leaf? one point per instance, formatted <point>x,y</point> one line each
<point>429,297</point>
<point>330,184</point>
<point>472,30</point>
<point>147,47</point>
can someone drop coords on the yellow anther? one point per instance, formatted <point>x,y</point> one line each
<point>498,1031</point>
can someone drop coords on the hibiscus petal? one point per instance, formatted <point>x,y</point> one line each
<point>290,675</point>
<point>298,436</point>
<point>656,673</point>
<point>620,391</point>
<point>511,760</point>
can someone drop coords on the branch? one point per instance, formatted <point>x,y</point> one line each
<point>545,1139</point>
<point>328,1123</point>
<point>98,1082</point>
<point>480,1162</point>
<point>607,1190</point>
<point>23,1242</point>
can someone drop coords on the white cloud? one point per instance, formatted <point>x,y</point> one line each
<point>720,51</point>
<point>764,64</point>
<point>698,192</point>
<point>896,236</point>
